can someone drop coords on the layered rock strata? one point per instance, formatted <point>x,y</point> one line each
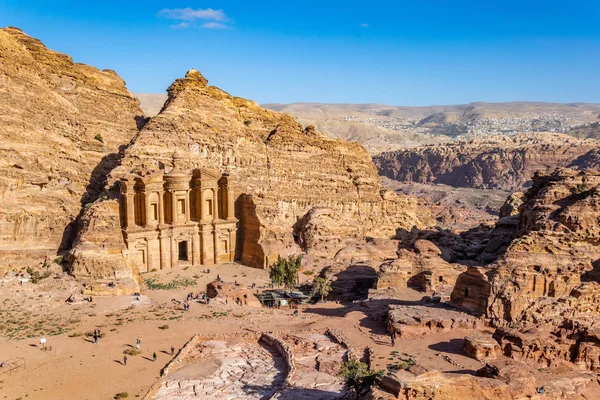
<point>543,293</point>
<point>62,125</point>
<point>495,162</point>
<point>283,174</point>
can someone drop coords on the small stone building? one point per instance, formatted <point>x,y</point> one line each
<point>178,218</point>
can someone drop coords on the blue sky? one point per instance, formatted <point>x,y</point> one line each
<point>394,52</point>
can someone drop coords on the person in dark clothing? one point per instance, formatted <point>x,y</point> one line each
<point>124,360</point>
<point>154,356</point>
<point>172,350</point>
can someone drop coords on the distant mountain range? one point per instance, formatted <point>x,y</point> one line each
<point>381,127</point>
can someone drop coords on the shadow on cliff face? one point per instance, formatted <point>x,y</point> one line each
<point>478,246</point>
<point>248,250</point>
<point>594,274</point>
<point>93,190</point>
<point>351,283</point>
<point>141,121</point>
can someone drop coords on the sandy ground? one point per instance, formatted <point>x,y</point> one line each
<point>75,368</point>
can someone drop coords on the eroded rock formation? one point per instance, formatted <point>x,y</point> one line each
<point>283,174</point>
<point>543,293</point>
<point>62,125</point>
<point>495,162</point>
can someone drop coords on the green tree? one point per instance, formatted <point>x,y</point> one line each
<point>357,376</point>
<point>277,271</point>
<point>285,271</point>
<point>322,287</point>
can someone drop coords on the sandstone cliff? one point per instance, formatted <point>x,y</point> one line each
<point>544,292</point>
<point>555,249</point>
<point>496,162</point>
<point>62,125</point>
<point>281,172</point>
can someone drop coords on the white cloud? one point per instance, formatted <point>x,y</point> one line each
<point>214,25</point>
<point>215,18</point>
<point>364,25</point>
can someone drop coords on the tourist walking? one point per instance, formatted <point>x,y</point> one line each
<point>172,350</point>
<point>393,338</point>
<point>154,356</point>
<point>137,343</point>
<point>124,360</point>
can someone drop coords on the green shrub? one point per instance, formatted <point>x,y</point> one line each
<point>36,277</point>
<point>99,138</point>
<point>164,327</point>
<point>122,395</point>
<point>151,284</point>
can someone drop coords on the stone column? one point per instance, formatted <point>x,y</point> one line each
<point>215,205</point>
<point>149,256</point>
<point>161,206</point>
<point>187,206</point>
<point>130,209</point>
<point>232,244</point>
<point>205,232</point>
<point>165,252</point>
<point>202,205</point>
<point>174,255</point>
<point>196,247</point>
<point>216,244</point>
<point>230,202</point>
<point>174,207</point>
<point>147,207</point>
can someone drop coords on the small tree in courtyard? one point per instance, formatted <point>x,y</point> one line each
<point>277,271</point>
<point>322,287</point>
<point>358,377</point>
<point>285,271</point>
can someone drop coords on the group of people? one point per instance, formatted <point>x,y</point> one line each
<point>138,344</point>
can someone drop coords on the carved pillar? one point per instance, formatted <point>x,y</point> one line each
<point>161,207</point>
<point>188,198</point>
<point>202,205</point>
<point>204,237</point>
<point>149,256</point>
<point>174,255</point>
<point>130,209</point>
<point>230,253</point>
<point>165,252</point>
<point>215,205</point>
<point>147,208</point>
<point>232,244</point>
<point>196,247</point>
<point>230,202</point>
<point>215,233</point>
<point>174,207</point>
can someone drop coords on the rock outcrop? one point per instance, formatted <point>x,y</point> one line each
<point>555,248</point>
<point>62,126</point>
<point>422,269</point>
<point>283,173</point>
<point>543,293</point>
<point>495,162</point>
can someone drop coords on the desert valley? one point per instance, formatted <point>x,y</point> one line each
<point>198,245</point>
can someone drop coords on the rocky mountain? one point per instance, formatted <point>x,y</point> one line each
<point>281,172</point>
<point>496,162</point>
<point>543,293</point>
<point>62,125</point>
<point>381,128</point>
<point>388,128</point>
